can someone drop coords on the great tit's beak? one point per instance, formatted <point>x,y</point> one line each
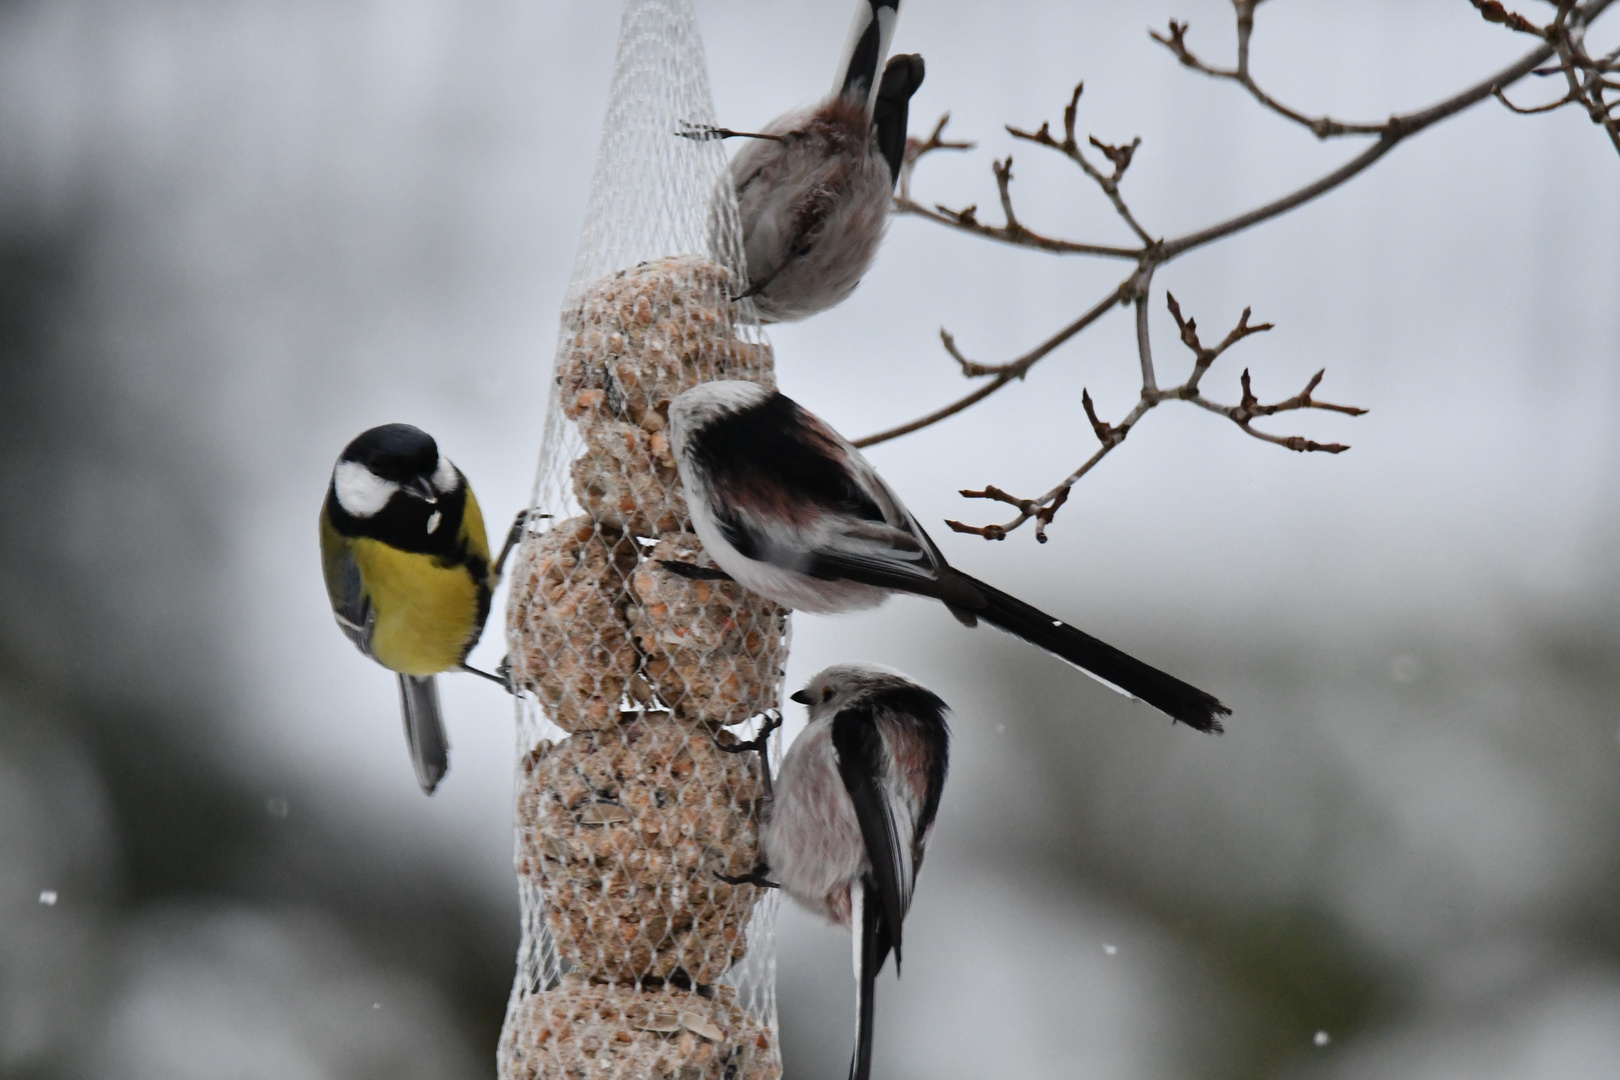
<point>422,488</point>
<point>801,696</point>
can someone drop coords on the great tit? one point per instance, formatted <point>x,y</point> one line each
<point>408,572</point>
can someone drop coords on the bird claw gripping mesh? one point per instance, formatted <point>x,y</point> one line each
<point>639,959</point>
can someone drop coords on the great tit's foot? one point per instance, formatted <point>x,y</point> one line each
<point>501,678</point>
<point>514,534</point>
<point>694,572</point>
<point>756,876</point>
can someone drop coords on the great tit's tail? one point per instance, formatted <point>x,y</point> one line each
<point>901,78</point>
<point>866,919</point>
<point>868,45</point>
<point>424,729</point>
<point>1098,659</point>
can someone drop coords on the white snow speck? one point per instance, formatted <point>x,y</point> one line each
<point>1001,729</point>
<point>47,897</point>
<point>376,1004</point>
<point>1057,622</point>
<point>1322,1038</point>
<point>1110,950</point>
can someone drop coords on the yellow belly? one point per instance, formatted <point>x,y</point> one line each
<point>427,615</point>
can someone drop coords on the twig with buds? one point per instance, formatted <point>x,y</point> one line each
<point>1563,38</point>
<point>1323,127</point>
<point>967,218</point>
<point>1044,508</point>
<point>1589,81</point>
<point>1118,156</point>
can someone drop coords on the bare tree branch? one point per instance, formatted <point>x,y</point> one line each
<point>1119,157</point>
<point>1323,127</point>
<point>1004,373</point>
<point>1393,133</point>
<point>1204,357</point>
<point>1567,99</point>
<point>1496,13</point>
<point>1584,76</point>
<point>1588,84</point>
<point>917,149</point>
<point>1150,256</point>
<point>967,219</point>
<point>1144,340</point>
<point>1044,508</point>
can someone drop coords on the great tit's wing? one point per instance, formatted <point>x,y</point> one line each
<point>347,591</point>
<point>885,819</point>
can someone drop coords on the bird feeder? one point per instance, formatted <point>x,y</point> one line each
<point>637,686</point>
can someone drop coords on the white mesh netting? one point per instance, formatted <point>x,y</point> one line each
<point>637,960</point>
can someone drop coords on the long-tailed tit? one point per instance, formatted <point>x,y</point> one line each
<point>791,510</point>
<point>813,188</point>
<point>854,804</point>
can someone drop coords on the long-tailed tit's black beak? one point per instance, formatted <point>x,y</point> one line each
<point>801,696</point>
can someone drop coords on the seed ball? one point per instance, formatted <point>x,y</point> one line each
<point>640,336</point>
<point>714,651</point>
<point>625,832</point>
<point>603,1032</point>
<point>567,617</point>
<point>626,478</point>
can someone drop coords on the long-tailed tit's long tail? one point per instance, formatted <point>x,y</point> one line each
<point>1098,659</point>
<point>867,48</point>
<point>866,924</point>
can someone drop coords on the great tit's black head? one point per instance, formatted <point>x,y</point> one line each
<point>394,451</point>
<point>392,484</point>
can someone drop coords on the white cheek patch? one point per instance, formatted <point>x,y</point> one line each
<point>433,522</point>
<point>444,477</point>
<point>360,491</point>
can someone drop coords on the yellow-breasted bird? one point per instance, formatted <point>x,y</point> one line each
<point>408,572</point>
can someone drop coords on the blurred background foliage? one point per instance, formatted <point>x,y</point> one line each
<point>233,235</point>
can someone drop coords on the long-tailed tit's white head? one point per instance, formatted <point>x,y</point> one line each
<point>854,805</point>
<point>790,509</point>
<point>813,187</point>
